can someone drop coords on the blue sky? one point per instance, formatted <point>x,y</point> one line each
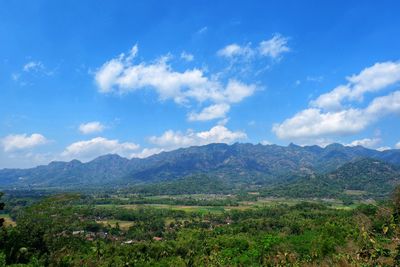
<point>83,78</point>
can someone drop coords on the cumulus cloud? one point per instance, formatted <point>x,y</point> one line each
<point>187,56</point>
<point>217,134</point>
<point>91,127</point>
<point>171,140</point>
<point>371,79</point>
<point>90,149</point>
<point>313,122</point>
<point>327,117</point>
<point>16,142</point>
<point>235,92</point>
<point>121,75</point>
<point>397,145</point>
<point>366,142</point>
<point>211,112</point>
<point>108,74</point>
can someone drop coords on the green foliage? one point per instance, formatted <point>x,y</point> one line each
<point>371,178</point>
<point>2,259</point>
<point>1,208</point>
<point>64,231</point>
<point>195,184</point>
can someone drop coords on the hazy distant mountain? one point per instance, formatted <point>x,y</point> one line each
<point>239,163</point>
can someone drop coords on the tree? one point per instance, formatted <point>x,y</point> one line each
<point>396,204</point>
<point>1,208</point>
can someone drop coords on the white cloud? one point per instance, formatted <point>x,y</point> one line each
<point>313,123</point>
<point>120,75</point>
<point>397,145</point>
<point>91,127</point>
<point>108,74</point>
<point>237,91</point>
<point>32,69</point>
<point>235,50</point>
<point>147,152</point>
<point>33,66</point>
<point>211,112</point>
<point>90,149</point>
<point>15,142</point>
<point>274,47</point>
<point>384,105</point>
<point>327,117</point>
<point>333,99</point>
<point>366,142</point>
<point>223,121</point>
<point>320,141</point>
<point>187,56</point>
<point>218,134</point>
<point>374,78</point>
<point>132,54</point>
<point>371,79</point>
<point>265,142</point>
<point>383,148</point>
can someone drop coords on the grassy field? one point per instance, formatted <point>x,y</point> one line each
<point>202,209</point>
<point>123,225</point>
<point>355,192</point>
<point>243,205</point>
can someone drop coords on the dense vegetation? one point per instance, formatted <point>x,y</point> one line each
<point>365,178</point>
<point>74,230</point>
<point>194,184</point>
<point>1,208</point>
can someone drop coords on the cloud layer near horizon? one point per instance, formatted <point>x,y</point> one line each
<point>338,112</point>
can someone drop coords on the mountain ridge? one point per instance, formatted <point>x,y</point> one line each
<point>364,177</point>
<point>243,163</point>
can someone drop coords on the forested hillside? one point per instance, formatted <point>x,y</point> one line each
<point>238,163</point>
<point>68,230</point>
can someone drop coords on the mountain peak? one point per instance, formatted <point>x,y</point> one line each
<point>334,146</point>
<point>109,157</point>
<point>293,145</point>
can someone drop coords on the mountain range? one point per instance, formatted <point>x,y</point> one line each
<point>239,164</point>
